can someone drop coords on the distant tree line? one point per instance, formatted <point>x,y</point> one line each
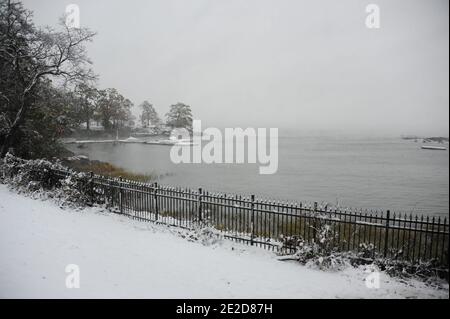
<point>179,115</point>
<point>47,88</point>
<point>108,107</point>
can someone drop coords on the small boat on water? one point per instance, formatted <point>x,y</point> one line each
<point>438,148</point>
<point>160,142</point>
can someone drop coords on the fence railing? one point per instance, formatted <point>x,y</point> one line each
<point>275,225</point>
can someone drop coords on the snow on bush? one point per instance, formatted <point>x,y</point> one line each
<point>202,232</point>
<point>37,179</point>
<point>322,253</point>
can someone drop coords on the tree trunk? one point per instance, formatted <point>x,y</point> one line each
<point>7,142</point>
<point>13,129</point>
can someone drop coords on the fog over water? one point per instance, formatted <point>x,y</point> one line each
<point>289,63</point>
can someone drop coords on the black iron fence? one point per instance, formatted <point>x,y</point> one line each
<point>275,225</point>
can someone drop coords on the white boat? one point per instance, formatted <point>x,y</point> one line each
<point>160,142</point>
<point>440,148</point>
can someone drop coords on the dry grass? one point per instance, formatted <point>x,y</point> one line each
<point>107,169</point>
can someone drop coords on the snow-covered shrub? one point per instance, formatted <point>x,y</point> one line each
<point>367,250</point>
<point>318,255</point>
<point>38,178</point>
<point>203,232</point>
<point>73,190</point>
<point>320,252</point>
<point>428,270</point>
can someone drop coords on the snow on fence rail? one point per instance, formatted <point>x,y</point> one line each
<point>270,224</point>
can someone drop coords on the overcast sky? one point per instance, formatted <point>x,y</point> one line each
<point>300,64</point>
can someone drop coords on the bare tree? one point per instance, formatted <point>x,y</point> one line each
<point>28,55</point>
<point>149,114</point>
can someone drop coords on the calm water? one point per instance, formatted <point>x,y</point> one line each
<point>384,173</point>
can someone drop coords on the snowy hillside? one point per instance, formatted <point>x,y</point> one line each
<point>119,257</point>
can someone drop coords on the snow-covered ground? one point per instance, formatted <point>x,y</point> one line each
<point>120,257</point>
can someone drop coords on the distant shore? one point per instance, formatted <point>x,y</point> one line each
<point>434,139</point>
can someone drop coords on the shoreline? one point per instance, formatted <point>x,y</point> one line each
<point>84,164</point>
<point>122,141</point>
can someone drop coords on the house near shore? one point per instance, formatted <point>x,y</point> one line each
<point>97,126</point>
<point>93,126</point>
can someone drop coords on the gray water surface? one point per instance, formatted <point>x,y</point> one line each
<point>369,173</point>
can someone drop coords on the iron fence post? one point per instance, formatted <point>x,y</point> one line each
<point>120,195</point>
<point>91,187</point>
<point>386,232</point>
<point>200,204</point>
<point>252,220</point>
<point>156,201</point>
<point>314,222</point>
